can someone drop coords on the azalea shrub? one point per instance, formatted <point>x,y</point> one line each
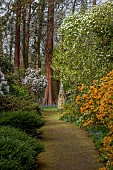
<point>93,109</point>
<point>4,88</point>
<point>36,81</point>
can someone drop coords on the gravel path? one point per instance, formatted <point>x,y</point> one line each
<point>67,147</point>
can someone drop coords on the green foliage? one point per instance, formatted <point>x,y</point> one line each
<point>11,103</point>
<point>26,121</point>
<point>8,103</point>
<point>85,52</point>
<point>49,108</point>
<point>18,150</point>
<point>6,66</point>
<point>18,90</point>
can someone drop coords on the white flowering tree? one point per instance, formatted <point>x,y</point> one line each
<point>4,88</point>
<point>36,81</point>
<point>85,52</point>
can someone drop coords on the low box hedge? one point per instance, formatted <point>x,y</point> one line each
<point>26,121</point>
<point>19,151</point>
<point>13,103</point>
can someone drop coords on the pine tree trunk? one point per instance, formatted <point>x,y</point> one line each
<point>49,98</point>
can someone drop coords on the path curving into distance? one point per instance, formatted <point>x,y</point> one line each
<point>67,147</point>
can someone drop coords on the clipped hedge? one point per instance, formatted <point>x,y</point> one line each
<point>18,150</point>
<point>26,121</point>
<point>11,103</point>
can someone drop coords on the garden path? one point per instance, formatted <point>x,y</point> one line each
<point>67,147</point>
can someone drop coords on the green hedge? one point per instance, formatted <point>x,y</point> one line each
<point>11,103</point>
<point>26,121</point>
<point>18,90</point>
<point>18,150</point>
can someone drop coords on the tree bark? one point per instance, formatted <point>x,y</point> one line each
<point>94,2</point>
<point>17,35</point>
<point>24,37</point>
<point>49,97</point>
<point>1,43</point>
<point>73,9</point>
<point>11,43</point>
<point>41,15</point>
<point>27,36</point>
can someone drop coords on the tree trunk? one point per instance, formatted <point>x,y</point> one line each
<point>24,38</point>
<point>1,45</point>
<point>27,36</point>
<point>11,43</point>
<point>49,98</point>
<point>94,2</point>
<point>41,9</point>
<point>73,8</point>
<point>17,36</point>
<point>41,15</point>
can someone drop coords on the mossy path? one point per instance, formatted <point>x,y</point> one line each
<point>67,147</point>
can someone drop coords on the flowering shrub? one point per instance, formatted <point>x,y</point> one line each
<point>85,51</point>
<point>4,88</point>
<point>96,110</point>
<point>37,81</point>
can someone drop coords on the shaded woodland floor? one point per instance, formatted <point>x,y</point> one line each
<point>67,147</point>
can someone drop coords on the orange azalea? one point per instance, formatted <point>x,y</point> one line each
<point>98,104</point>
<point>82,87</point>
<point>85,96</point>
<point>94,81</point>
<point>107,140</point>
<point>78,98</point>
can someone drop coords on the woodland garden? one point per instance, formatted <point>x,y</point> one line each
<point>43,43</point>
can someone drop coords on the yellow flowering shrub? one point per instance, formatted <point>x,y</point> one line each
<point>97,106</point>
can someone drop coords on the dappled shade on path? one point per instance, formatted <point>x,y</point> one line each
<point>67,147</point>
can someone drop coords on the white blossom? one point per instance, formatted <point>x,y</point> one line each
<point>37,81</point>
<point>4,88</point>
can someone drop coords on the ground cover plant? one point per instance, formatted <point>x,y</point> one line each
<point>93,109</point>
<point>18,150</point>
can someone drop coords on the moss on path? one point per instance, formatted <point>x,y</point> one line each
<point>67,147</point>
